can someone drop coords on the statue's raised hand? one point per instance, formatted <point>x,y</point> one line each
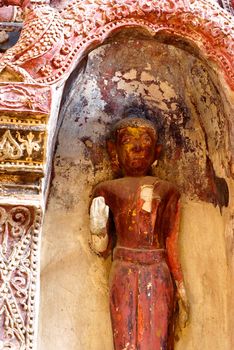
<point>99,213</point>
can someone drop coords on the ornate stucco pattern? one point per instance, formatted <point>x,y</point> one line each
<point>19,242</point>
<point>24,114</point>
<point>61,38</point>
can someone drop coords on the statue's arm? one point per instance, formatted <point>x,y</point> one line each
<point>172,244</point>
<point>99,215</point>
<point>173,258</point>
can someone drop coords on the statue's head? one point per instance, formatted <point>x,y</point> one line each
<point>133,146</point>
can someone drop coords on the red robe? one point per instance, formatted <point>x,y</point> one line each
<point>141,284</point>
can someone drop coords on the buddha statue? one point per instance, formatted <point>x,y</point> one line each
<point>143,213</point>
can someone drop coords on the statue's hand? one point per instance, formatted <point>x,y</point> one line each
<point>183,306</point>
<point>99,213</point>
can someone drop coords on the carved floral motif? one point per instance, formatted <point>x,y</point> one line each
<point>29,144</point>
<point>10,148</point>
<point>13,148</point>
<point>19,241</point>
<point>26,106</point>
<point>43,29</point>
<point>23,97</point>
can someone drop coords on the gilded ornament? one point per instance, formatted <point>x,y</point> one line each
<point>29,144</point>
<point>9,148</point>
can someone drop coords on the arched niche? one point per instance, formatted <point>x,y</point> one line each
<point>174,86</point>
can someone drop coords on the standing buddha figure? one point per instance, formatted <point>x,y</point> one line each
<point>146,280</point>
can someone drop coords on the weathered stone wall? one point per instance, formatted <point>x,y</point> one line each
<point>172,88</point>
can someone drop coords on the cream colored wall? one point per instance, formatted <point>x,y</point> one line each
<point>74,288</point>
<point>204,261</point>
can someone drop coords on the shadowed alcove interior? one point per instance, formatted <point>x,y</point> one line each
<point>169,83</point>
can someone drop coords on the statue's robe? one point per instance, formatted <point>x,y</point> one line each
<point>142,288</point>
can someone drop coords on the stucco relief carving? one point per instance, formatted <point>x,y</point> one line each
<point>12,148</point>
<point>19,242</point>
<point>9,148</point>
<point>24,97</point>
<point>60,38</point>
<point>227,5</point>
<point>24,112</point>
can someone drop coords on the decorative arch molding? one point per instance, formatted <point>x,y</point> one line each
<point>33,74</point>
<point>50,53</point>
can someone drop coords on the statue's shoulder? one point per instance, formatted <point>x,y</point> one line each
<point>166,186</point>
<point>104,186</point>
<point>115,186</point>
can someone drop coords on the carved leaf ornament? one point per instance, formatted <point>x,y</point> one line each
<point>23,97</point>
<point>29,145</point>
<point>10,148</point>
<point>13,97</point>
<point>18,272</point>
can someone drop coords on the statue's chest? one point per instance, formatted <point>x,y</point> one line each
<point>137,206</point>
<point>142,197</point>
<point>136,213</point>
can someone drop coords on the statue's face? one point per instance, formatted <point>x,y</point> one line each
<point>136,150</point>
